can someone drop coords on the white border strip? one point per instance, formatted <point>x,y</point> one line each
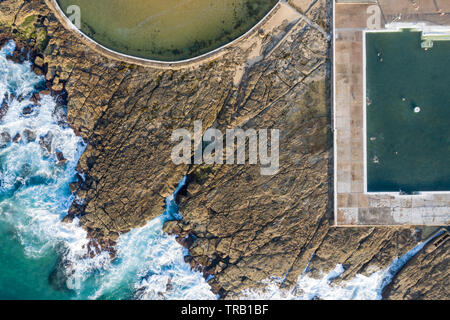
<point>364,110</point>
<point>333,43</point>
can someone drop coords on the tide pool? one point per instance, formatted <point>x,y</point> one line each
<point>166,30</point>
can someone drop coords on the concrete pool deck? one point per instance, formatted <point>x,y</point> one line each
<point>354,206</point>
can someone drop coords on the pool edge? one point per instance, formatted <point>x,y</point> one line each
<point>186,63</point>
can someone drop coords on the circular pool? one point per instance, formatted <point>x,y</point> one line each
<point>169,30</point>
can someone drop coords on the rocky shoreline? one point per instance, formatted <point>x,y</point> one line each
<point>239,226</point>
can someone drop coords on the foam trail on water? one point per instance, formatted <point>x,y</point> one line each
<point>152,263</point>
<point>361,287</point>
<point>34,194</point>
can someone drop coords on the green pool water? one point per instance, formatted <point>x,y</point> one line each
<point>407,151</point>
<point>167,30</point>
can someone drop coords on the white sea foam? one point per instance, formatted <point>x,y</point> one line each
<point>361,287</point>
<point>152,263</point>
<point>34,197</point>
<point>37,186</point>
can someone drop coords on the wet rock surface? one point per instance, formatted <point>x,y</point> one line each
<point>29,135</point>
<point>432,265</point>
<point>238,225</point>
<point>5,139</point>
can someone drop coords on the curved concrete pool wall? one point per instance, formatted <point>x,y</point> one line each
<point>209,56</point>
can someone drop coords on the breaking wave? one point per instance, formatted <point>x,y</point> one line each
<point>152,263</point>
<point>38,158</point>
<point>361,287</point>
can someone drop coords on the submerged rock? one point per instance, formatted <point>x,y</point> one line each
<point>16,57</point>
<point>60,114</point>
<point>29,135</point>
<point>58,277</point>
<point>35,98</point>
<point>60,158</point>
<point>68,218</point>
<point>3,110</point>
<point>27,110</point>
<point>186,241</point>
<point>5,139</point>
<point>17,138</point>
<point>74,186</point>
<point>46,142</point>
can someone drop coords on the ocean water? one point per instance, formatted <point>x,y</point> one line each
<point>43,258</point>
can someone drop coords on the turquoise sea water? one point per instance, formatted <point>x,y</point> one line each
<point>407,151</point>
<point>43,258</point>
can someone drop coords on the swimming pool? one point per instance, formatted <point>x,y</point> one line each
<point>407,113</point>
<point>169,30</point>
